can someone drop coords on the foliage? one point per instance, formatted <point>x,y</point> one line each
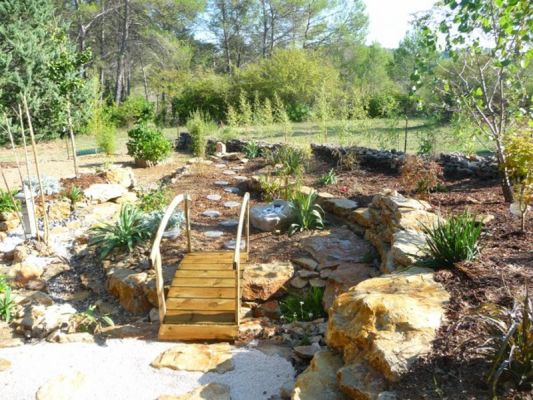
<point>348,161</point>
<point>328,178</point>
<point>103,128</point>
<point>452,241</point>
<point>303,307</point>
<point>197,127</point>
<point>292,160</point>
<point>152,220</point>
<point>419,175</point>
<point>74,194</point>
<point>309,215</point>
<point>38,60</point>
<point>6,303</point>
<point>251,150</point>
<point>271,187</point>
<point>153,200</point>
<point>146,143</point>
<point>91,321</point>
<point>323,111</point>
<point>51,184</point>
<point>282,117</point>
<point>512,331</point>
<point>6,201</point>
<point>519,164</point>
<point>135,110</point>
<point>125,233</point>
<point>245,110</point>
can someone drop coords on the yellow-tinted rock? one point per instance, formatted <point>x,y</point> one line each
<point>262,281</point>
<point>319,380</point>
<point>361,216</point>
<point>128,286</point>
<point>388,321</point>
<point>63,387</point>
<point>196,357</point>
<point>4,364</point>
<point>211,391</point>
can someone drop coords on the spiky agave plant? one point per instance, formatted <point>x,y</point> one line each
<point>125,233</point>
<point>309,215</point>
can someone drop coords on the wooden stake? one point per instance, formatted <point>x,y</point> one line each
<point>19,215</point>
<point>28,175</point>
<point>72,142</point>
<point>34,150</point>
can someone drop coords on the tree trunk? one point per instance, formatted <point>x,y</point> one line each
<point>119,83</point>
<point>405,134</point>
<point>505,180</point>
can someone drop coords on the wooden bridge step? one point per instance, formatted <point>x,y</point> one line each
<point>206,266</point>
<point>202,292</point>
<point>183,304</point>
<point>218,331</point>
<point>177,317</point>
<point>204,282</point>
<point>204,273</point>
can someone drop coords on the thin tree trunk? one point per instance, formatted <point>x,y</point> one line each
<point>122,53</point>
<point>145,83</point>
<point>72,140</point>
<point>505,179</point>
<point>405,135</point>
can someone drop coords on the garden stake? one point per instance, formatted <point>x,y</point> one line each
<point>72,142</point>
<point>34,150</point>
<point>19,215</point>
<point>31,197</point>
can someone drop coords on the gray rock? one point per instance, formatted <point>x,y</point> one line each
<point>221,183</point>
<point>214,197</point>
<point>230,245</point>
<point>277,215</point>
<point>232,189</point>
<point>305,262</point>
<point>229,172</point>
<point>298,282</point>
<point>229,223</point>
<point>211,213</point>
<point>213,234</point>
<point>102,192</point>
<point>231,204</point>
<point>240,178</point>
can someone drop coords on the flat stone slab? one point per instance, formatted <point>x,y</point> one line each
<point>238,168</point>
<point>232,189</point>
<point>196,357</point>
<point>213,234</point>
<point>231,204</point>
<point>229,172</point>
<point>240,178</point>
<point>230,245</point>
<point>211,213</point>
<point>221,183</point>
<point>214,197</point>
<point>220,166</point>
<point>229,223</point>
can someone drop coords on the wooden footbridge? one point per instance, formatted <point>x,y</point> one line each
<point>204,298</point>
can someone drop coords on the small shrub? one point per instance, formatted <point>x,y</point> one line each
<point>197,127</point>
<point>7,203</point>
<point>91,321</point>
<point>153,219</point>
<point>303,307</point>
<point>153,200</point>
<point>292,160</point>
<point>453,240</point>
<point>123,234</point>
<point>309,215</point>
<point>251,150</point>
<point>74,194</point>
<point>6,303</point>
<point>420,176</point>
<point>148,144</point>
<point>348,161</point>
<point>102,126</point>
<point>245,110</point>
<point>271,188</point>
<point>512,331</point>
<point>134,110</point>
<point>328,179</point>
<point>51,185</point>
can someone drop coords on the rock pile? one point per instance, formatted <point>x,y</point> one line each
<point>8,221</point>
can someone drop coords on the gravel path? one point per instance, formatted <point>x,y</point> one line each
<point>121,369</point>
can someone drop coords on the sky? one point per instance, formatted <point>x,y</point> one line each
<point>389,19</point>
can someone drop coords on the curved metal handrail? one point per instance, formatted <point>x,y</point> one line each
<point>245,213</point>
<point>155,254</point>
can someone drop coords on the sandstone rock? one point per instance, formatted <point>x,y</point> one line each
<point>196,357</point>
<point>128,287</point>
<point>319,380</point>
<point>286,389</point>
<point>360,381</point>
<point>262,281</point>
<point>63,387</point>
<point>22,273</point>
<point>211,391</point>
<point>102,192</point>
<point>360,216</point>
<point>6,226</point>
<point>298,282</point>
<point>388,321</point>
<point>277,215</point>
<point>417,219</point>
<point>20,253</point>
<point>339,246</point>
<point>408,247</point>
<point>58,210</point>
<point>317,282</point>
<point>54,269</point>
<point>305,262</point>
<point>343,278</point>
<point>269,309</point>
<point>41,320</point>
<point>339,206</point>
<point>307,352</point>
<point>121,176</point>
<point>484,219</point>
<point>4,364</point>
<point>128,197</point>
<point>76,337</point>
<point>305,274</point>
<point>8,216</point>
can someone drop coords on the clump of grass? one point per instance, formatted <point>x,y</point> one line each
<point>91,321</point>
<point>309,215</point>
<point>251,150</point>
<point>512,331</point>
<point>123,234</point>
<point>306,306</point>
<point>6,201</point>
<point>74,194</point>
<point>153,200</point>
<point>328,178</point>
<point>452,241</point>
<point>6,303</point>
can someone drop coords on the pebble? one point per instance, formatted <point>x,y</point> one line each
<point>240,178</point>
<point>232,189</point>
<point>229,223</point>
<point>238,168</point>
<point>220,165</point>
<point>229,172</point>
<point>221,183</point>
<point>231,204</point>
<point>230,245</point>
<point>214,197</point>
<point>211,213</point>
<point>213,234</point>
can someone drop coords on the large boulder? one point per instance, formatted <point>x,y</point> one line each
<point>40,320</point>
<point>262,281</point>
<point>319,380</point>
<point>344,277</point>
<point>339,246</point>
<point>408,246</point>
<point>389,321</point>
<point>277,215</point>
<point>102,192</point>
<point>129,287</point>
<point>196,357</point>
<point>121,176</point>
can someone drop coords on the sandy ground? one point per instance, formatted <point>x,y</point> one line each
<point>120,369</point>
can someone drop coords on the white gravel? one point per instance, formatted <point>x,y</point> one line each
<point>121,369</point>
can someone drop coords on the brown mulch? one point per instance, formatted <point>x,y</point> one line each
<point>83,181</point>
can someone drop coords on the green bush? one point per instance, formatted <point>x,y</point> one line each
<point>122,234</point>
<point>452,241</point>
<point>292,159</point>
<point>303,307</point>
<point>309,215</point>
<point>102,126</point>
<point>512,331</point>
<point>6,303</point>
<point>133,111</point>
<point>92,321</point>
<point>74,194</point>
<point>382,105</point>
<point>6,201</point>
<point>153,200</point>
<point>148,144</point>
<point>329,178</point>
<point>197,127</point>
<point>251,150</point>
